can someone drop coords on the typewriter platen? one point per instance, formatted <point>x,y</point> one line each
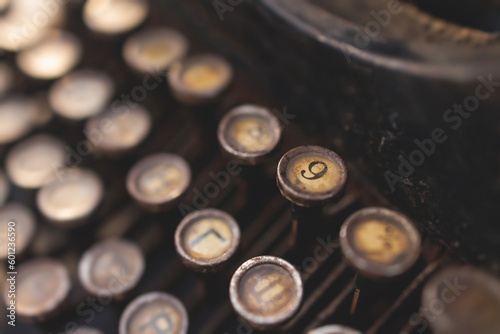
<point>304,166</point>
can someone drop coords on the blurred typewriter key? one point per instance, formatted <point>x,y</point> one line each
<point>157,181</point>
<point>87,330</point>
<point>249,134</point>
<point>311,175</point>
<point>81,94</point>
<point>154,49</point>
<point>465,300</point>
<point>116,133</point>
<point>21,219</point>
<point>42,287</point>
<point>379,244</point>
<point>4,188</point>
<point>266,291</point>
<point>154,312</point>
<point>18,116</point>
<point>112,17</point>
<point>333,329</point>
<point>34,161</point>
<point>71,198</point>
<point>52,57</point>
<point>113,265</point>
<point>16,32</point>
<point>207,239</point>
<point>199,79</point>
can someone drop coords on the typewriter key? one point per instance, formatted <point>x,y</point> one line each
<point>158,180</point>
<point>333,329</point>
<point>81,94</point>
<point>379,243</point>
<point>42,285</point>
<point>311,175</point>
<point>154,312</point>
<point>4,188</point>
<point>113,17</point>
<point>25,22</point>
<point>18,116</point>
<point>35,161</point>
<point>154,49</point>
<point>207,239</point>
<point>21,220</point>
<point>52,57</point>
<point>199,79</point>
<point>87,330</point>
<point>266,291</point>
<point>119,132</point>
<point>249,134</point>
<point>70,199</point>
<point>113,265</point>
<point>463,300</point>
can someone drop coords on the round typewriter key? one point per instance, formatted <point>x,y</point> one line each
<point>199,79</point>
<point>42,286</point>
<point>71,198</point>
<point>21,22</point>
<point>81,94</point>
<point>249,134</point>
<point>333,329</point>
<point>154,49</point>
<point>266,291</point>
<point>87,330</point>
<point>18,116</point>
<point>154,312</point>
<point>114,266</point>
<point>34,161</point>
<point>463,300</point>
<point>158,180</point>
<point>120,132</point>
<point>113,17</point>
<point>4,188</point>
<point>379,243</point>
<point>21,220</point>
<point>52,57</point>
<point>207,239</point>
<point>311,175</point>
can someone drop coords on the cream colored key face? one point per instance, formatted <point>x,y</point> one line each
<point>249,133</point>
<point>154,313</point>
<point>311,175</point>
<point>379,242</point>
<point>154,49</point>
<point>470,301</point>
<point>207,239</point>
<point>42,285</point>
<point>24,227</point>
<point>18,116</point>
<point>266,291</point>
<point>81,94</point>
<point>113,17</point>
<point>199,79</point>
<point>119,131</point>
<point>52,57</point>
<point>333,329</point>
<point>113,265</point>
<point>71,198</point>
<point>158,179</point>
<point>35,161</point>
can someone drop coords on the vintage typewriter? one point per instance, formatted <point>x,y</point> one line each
<point>260,166</point>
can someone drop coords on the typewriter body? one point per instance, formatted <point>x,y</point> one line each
<point>406,93</point>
